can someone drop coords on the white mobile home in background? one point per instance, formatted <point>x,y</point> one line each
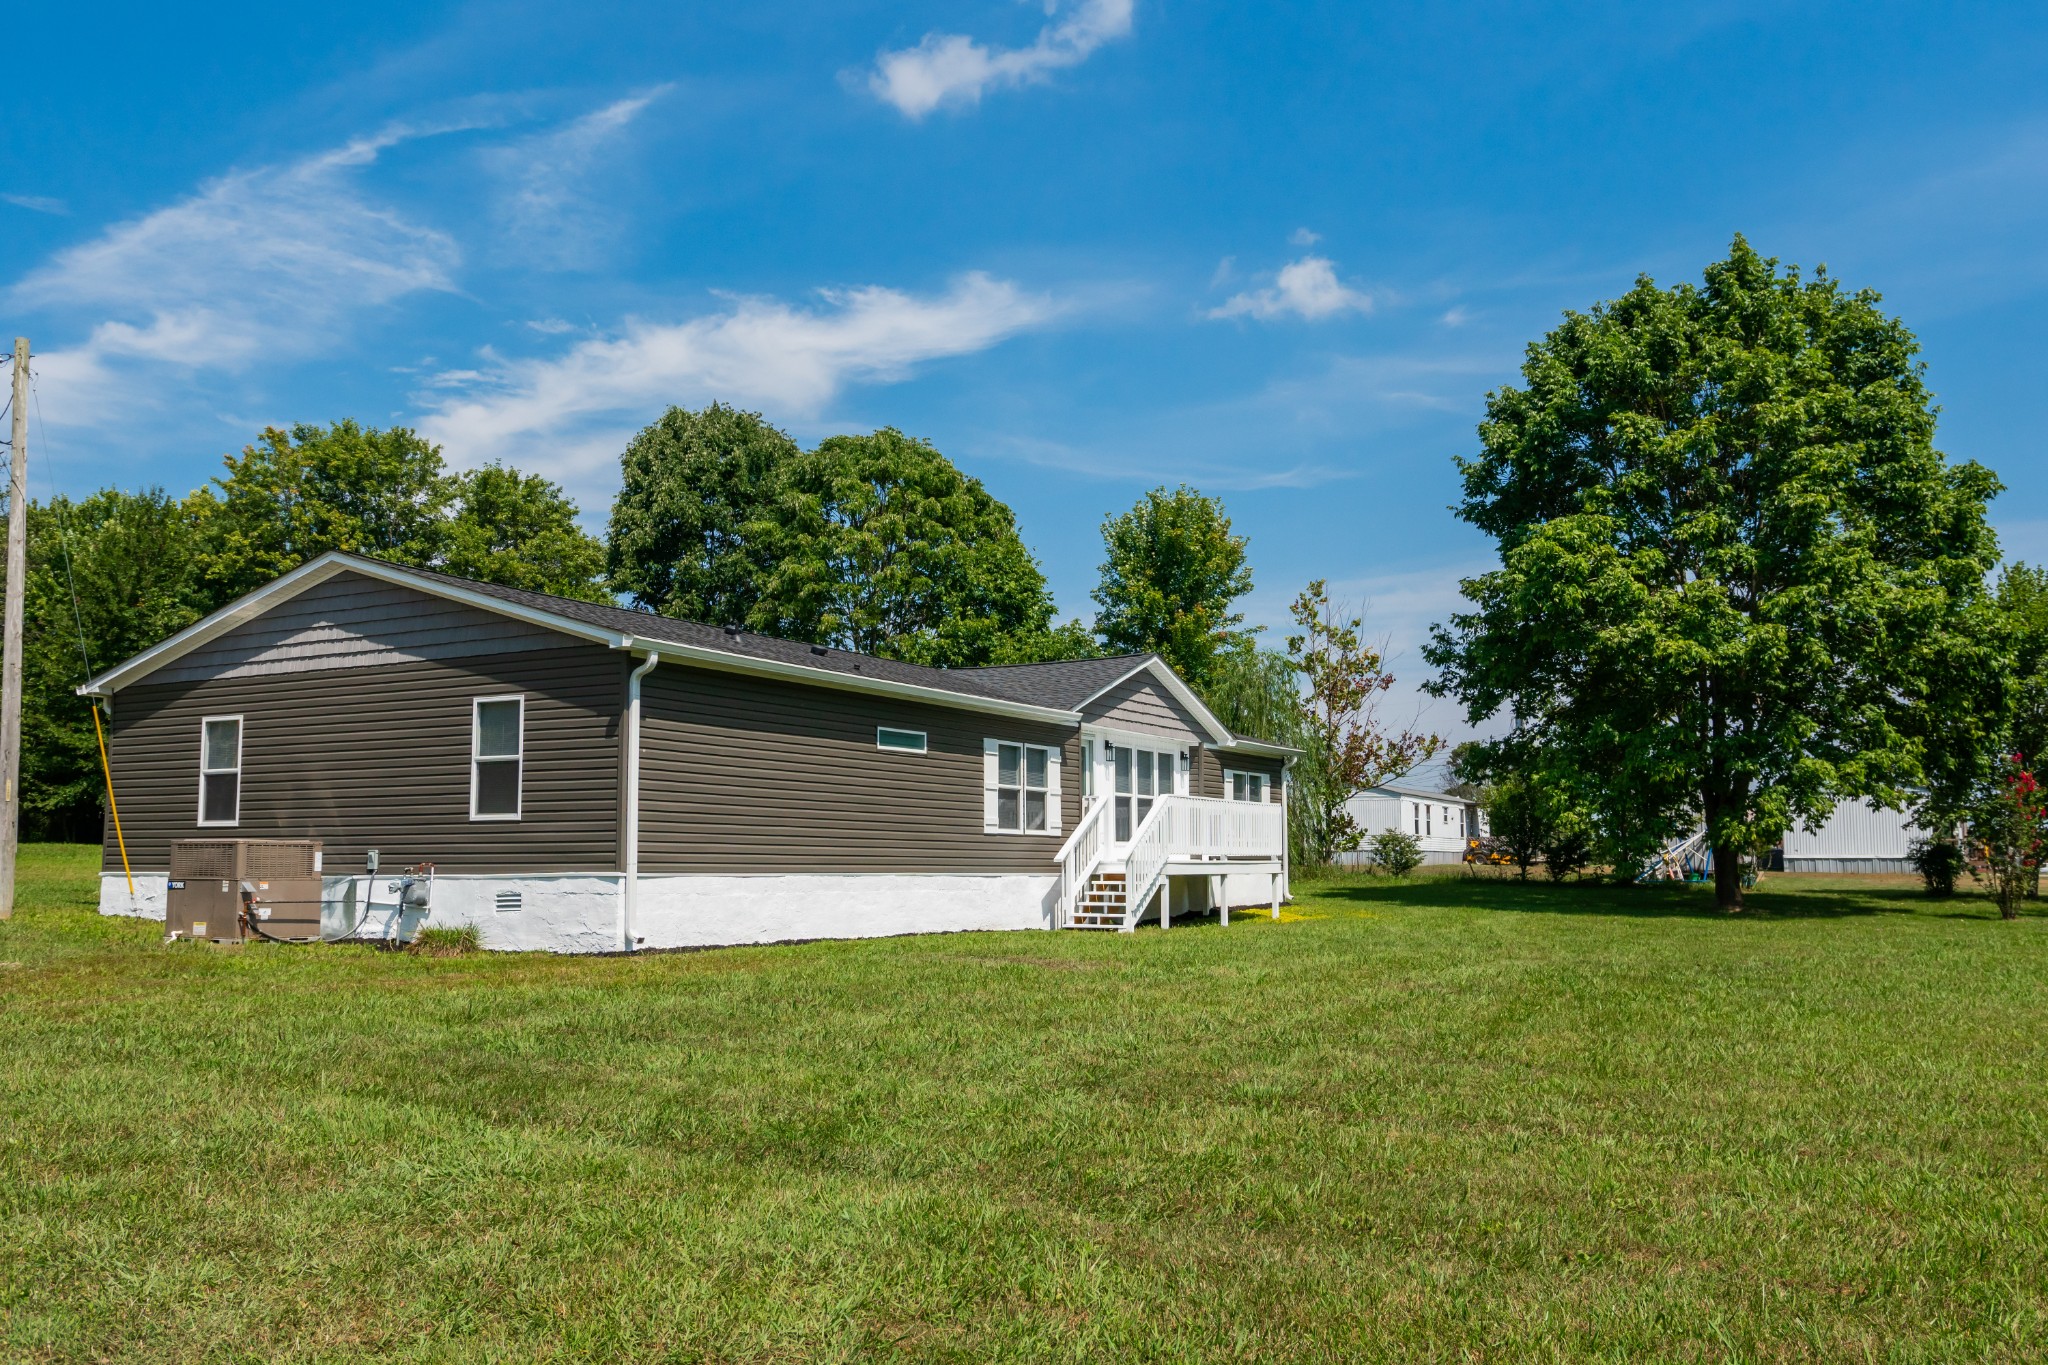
<point>1441,821</point>
<point>1856,837</point>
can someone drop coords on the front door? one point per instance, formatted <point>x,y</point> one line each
<point>1138,776</point>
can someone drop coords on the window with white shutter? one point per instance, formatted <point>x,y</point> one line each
<point>1020,788</point>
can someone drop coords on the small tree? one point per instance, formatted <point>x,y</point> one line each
<point>1519,815</point>
<point>2008,829</point>
<point>1395,852</point>
<point>1346,681</point>
<point>1173,570</point>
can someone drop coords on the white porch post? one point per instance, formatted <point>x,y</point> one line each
<point>1276,895</point>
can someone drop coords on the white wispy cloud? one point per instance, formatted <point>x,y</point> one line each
<point>256,265</point>
<point>546,210</point>
<point>952,70</point>
<point>1307,288</point>
<point>1301,236</point>
<point>569,414</point>
<point>36,203</point>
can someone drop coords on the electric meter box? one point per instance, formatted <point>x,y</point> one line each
<point>207,876</point>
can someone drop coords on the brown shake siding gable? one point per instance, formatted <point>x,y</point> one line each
<point>752,775</point>
<point>378,757</point>
<point>1141,704</point>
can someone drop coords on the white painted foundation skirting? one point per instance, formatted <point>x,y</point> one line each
<point>579,912</point>
<point>146,903</point>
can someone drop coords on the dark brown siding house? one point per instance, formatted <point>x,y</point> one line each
<point>585,778</point>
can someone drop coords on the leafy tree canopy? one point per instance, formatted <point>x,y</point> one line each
<point>519,530</point>
<point>697,499</point>
<point>1173,570</point>
<point>129,579</point>
<point>880,544</point>
<point>295,495</point>
<point>1733,565</point>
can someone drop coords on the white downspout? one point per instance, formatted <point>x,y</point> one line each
<point>629,885</point>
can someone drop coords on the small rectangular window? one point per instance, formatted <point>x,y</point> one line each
<point>497,755</point>
<point>220,770</point>
<point>908,741</point>
<point>1248,787</point>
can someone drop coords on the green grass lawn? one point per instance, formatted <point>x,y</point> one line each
<point>1447,1119</point>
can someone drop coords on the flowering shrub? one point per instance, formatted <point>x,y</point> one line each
<point>2007,831</point>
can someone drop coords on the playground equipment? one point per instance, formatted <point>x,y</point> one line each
<point>1691,859</point>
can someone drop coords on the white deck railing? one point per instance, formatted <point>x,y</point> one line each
<point>1176,829</point>
<point>1078,858</point>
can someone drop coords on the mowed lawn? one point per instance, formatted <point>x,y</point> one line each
<point>1447,1119</point>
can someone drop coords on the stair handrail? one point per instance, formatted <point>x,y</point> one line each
<point>1146,856</point>
<point>1078,858</point>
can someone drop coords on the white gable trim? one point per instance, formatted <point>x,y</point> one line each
<point>1180,691</point>
<point>317,571</point>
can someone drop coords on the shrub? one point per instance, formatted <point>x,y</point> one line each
<point>2007,830</point>
<point>1568,847</point>
<point>1939,862</point>
<point>459,941</point>
<point>1398,853</point>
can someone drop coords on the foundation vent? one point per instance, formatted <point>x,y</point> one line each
<point>509,900</point>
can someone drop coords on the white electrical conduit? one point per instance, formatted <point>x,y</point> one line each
<point>629,886</point>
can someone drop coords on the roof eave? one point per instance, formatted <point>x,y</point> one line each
<point>642,646</point>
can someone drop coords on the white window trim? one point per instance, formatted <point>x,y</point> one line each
<point>991,760</point>
<point>1265,781</point>
<point>924,743</point>
<point>241,729</point>
<point>476,732</point>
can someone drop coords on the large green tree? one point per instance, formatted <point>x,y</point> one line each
<point>880,544</point>
<point>108,577</point>
<point>1173,571</point>
<point>696,506</point>
<point>1732,563</point>
<point>519,530</point>
<point>295,495</point>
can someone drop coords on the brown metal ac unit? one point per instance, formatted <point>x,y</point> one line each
<point>206,889</point>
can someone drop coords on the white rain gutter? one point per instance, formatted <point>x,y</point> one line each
<point>629,884</point>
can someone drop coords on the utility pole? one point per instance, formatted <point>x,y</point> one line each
<point>10,671</point>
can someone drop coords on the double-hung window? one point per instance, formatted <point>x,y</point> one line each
<point>220,770</point>
<point>497,754</point>
<point>1248,786</point>
<point>1020,788</point>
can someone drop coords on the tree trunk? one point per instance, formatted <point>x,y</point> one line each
<point>1728,878</point>
<point>1727,857</point>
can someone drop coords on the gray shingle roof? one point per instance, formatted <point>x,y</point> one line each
<point>1060,686</point>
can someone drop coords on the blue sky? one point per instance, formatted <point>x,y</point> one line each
<point>1278,252</point>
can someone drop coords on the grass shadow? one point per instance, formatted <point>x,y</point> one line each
<point>1783,896</point>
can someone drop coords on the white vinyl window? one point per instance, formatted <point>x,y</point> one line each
<point>1248,786</point>
<point>220,770</point>
<point>497,755</point>
<point>907,741</point>
<point>1139,775</point>
<point>1020,788</point>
